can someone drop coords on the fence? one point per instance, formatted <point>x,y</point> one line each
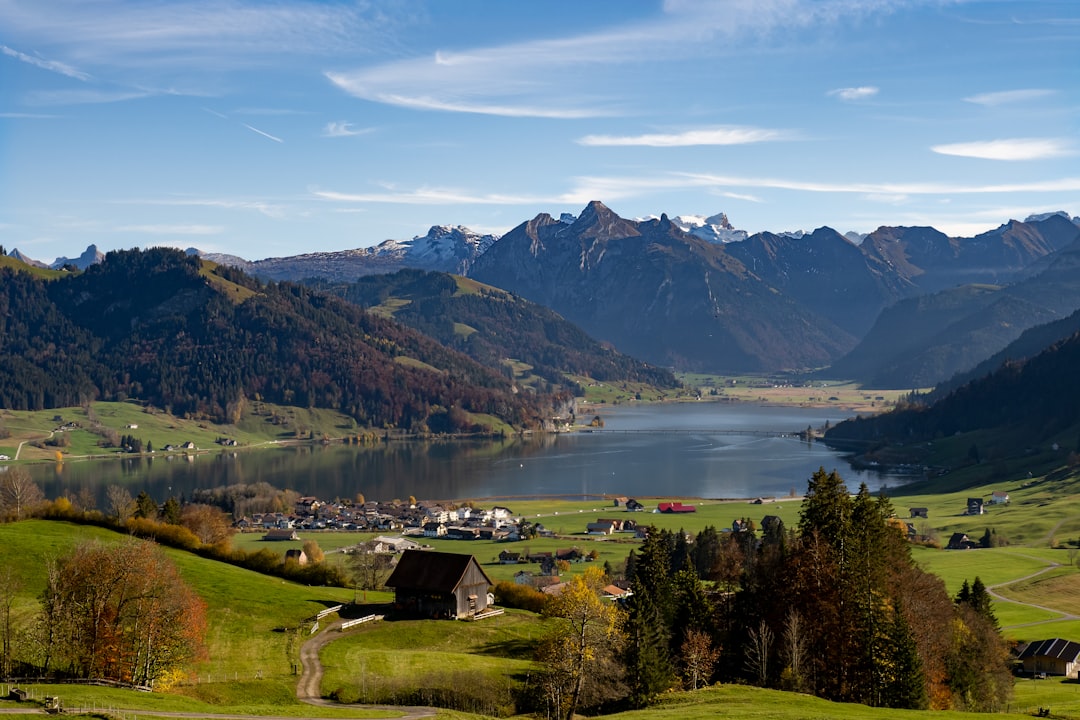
<point>350,623</point>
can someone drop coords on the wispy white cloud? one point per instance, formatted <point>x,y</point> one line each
<point>264,134</point>
<point>28,116</point>
<point>739,196</point>
<point>51,65</point>
<point>1005,97</point>
<point>849,94</point>
<point>705,136</point>
<point>271,210</point>
<point>82,97</point>
<point>344,129</point>
<point>435,196</point>
<point>196,33</point>
<point>270,112</point>
<point>172,229</point>
<point>539,78</point>
<point>360,86</point>
<point>223,116</point>
<point>1009,149</point>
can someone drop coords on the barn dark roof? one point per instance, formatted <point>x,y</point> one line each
<point>1057,648</point>
<point>430,570</point>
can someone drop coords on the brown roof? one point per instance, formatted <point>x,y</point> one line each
<point>430,570</point>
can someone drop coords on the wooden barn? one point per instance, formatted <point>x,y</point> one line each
<point>1053,657</point>
<point>439,585</point>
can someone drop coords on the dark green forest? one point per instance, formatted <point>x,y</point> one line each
<point>199,340</point>
<point>1033,399</point>
<point>835,607</point>
<point>502,326</point>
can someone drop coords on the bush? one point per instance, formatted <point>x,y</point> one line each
<point>523,597</point>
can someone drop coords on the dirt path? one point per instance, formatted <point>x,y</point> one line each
<point>309,687</point>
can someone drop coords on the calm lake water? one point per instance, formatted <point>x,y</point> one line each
<point>645,450</point>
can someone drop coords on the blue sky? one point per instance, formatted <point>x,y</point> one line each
<point>273,127</point>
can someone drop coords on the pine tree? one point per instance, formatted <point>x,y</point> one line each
<point>647,662</point>
<point>903,685</point>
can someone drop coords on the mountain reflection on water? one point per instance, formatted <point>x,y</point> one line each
<point>675,450</point>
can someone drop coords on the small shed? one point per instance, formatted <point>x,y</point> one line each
<point>920,512</point>
<point>439,584</point>
<point>1053,657</point>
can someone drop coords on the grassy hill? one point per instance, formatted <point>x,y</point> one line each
<point>252,617</point>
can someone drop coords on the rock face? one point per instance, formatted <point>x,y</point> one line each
<point>442,249</point>
<point>659,293</point>
<point>89,257</point>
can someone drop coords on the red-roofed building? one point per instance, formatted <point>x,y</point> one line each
<point>675,507</point>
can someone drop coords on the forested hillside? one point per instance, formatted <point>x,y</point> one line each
<point>1034,399</point>
<point>200,340</point>
<point>496,328</point>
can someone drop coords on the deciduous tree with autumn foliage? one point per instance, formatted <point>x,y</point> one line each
<point>119,612</point>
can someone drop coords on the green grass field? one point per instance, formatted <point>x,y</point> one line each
<point>255,427</point>
<point>484,658</point>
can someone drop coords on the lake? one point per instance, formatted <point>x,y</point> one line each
<point>683,449</point>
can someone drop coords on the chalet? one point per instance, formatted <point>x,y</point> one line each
<point>385,544</point>
<point>1000,497</point>
<point>569,555</point>
<point>281,534</point>
<point>462,533</point>
<point>675,507</point>
<point>434,529</point>
<point>919,512</point>
<point>619,501</point>
<point>960,541</point>
<point>296,555</point>
<point>1053,657</point>
<point>633,505</point>
<point>509,558</point>
<point>436,584</point>
<point>614,592</point>
<point>555,589</point>
<point>600,527</point>
<point>975,507</point>
<point>617,525</point>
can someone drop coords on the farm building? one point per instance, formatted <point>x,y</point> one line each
<point>1053,657</point>
<point>675,507</point>
<point>438,584</point>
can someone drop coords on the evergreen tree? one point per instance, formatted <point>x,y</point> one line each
<point>170,511</point>
<point>826,510</point>
<point>706,552</point>
<point>903,683</point>
<point>145,506</point>
<point>647,662</point>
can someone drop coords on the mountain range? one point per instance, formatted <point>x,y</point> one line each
<point>901,307</point>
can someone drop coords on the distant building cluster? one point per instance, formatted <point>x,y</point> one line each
<point>425,519</point>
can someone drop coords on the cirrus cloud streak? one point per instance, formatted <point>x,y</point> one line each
<point>1008,149</point>
<point>707,136</point>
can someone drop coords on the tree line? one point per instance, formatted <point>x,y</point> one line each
<point>835,607</point>
<point>151,325</point>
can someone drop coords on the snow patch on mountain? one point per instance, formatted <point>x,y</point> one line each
<point>1043,216</point>
<point>714,228</point>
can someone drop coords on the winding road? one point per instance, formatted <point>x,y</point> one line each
<point>1061,614</point>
